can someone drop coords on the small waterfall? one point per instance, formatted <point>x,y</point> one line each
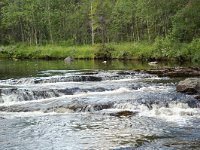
<point>15,95</point>
<point>53,79</point>
<point>172,109</point>
<point>105,92</point>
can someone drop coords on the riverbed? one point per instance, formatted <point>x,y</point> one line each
<point>50,105</point>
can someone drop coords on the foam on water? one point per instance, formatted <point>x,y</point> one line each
<point>175,112</point>
<point>116,88</point>
<point>8,100</point>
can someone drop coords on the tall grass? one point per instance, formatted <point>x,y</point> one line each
<point>136,50</point>
<point>161,49</point>
<point>48,52</point>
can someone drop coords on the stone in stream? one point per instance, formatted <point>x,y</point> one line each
<point>124,113</point>
<point>61,110</point>
<point>176,72</point>
<point>89,73</point>
<point>187,144</point>
<point>189,86</point>
<point>68,59</point>
<point>125,73</point>
<point>197,97</point>
<point>69,79</point>
<point>90,78</point>
<point>155,63</point>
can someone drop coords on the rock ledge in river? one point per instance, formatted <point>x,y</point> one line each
<point>176,72</point>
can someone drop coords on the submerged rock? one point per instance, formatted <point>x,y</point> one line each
<point>2,118</point>
<point>189,86</point>
<point>124,113</point>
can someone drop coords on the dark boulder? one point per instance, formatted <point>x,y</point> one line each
<point>189,86</point>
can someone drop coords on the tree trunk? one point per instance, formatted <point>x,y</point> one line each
<point>103,35</point>
<point>138,34</point>
<point>148,31</point>
<point>49,22</point>
<point>92,24</point>
<point>22,31</point>
<point>35,35</point>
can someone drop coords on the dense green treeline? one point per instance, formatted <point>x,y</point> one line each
<point>94,21</point>
<point>172,28</point>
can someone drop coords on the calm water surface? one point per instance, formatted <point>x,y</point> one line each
<point>50,105</point>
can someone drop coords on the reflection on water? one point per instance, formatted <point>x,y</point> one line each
<point>16,69</point>
<point>91,105</point>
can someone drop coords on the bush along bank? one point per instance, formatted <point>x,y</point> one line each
<point>161,49</point>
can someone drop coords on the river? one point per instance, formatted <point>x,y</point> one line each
<point>86,105</point>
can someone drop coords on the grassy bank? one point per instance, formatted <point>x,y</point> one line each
<point>161,49</point>
<point>22,51</point>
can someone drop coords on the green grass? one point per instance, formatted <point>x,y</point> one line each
<point>48,52</point>
<point>161,49</point>
<point>136,50</point>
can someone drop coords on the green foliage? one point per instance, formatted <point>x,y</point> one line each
<point>122,25</point>
<point>186,23</point>
<point>194,50</point>
<point>93,21</point>
<point>48,52</point>
<point>166,48</point>
<point>104,53</point>
<point>127,29</point>
<point>136,50</point>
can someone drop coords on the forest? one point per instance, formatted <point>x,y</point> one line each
<point>168,28</point>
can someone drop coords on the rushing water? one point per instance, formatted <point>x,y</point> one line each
<point>91,105</point>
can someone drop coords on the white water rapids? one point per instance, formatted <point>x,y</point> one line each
<point>93,109</point>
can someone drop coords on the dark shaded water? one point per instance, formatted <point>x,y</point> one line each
<point>91,105</point>
<point>28,68</point>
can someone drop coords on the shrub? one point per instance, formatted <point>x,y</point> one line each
<point>104,53</point>
<point>194,50</point>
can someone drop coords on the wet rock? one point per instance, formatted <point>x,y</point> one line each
<point>68,59</point>
<point>125,73</point>
<point>197,97</point>
<point>176,72</point>
<point>153,63</point>
<point>2,118</point>
<point>69,91</point>
<point>17,109</point>
<point>189,86</point>
<point>89,73</point>
<point>69,79</point>
<point>186,144</point>
<point>63,110</point>
<point>91,78</point>
<point>124,113</point>
<point>193,104</point>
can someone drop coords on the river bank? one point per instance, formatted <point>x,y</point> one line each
<point>159,50</point>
